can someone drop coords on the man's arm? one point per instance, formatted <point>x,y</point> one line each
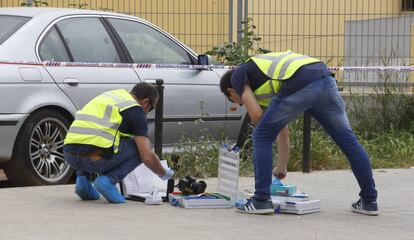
<point>252,107</point>
<point>148,157</point>
<point>282,141</point>
<point>256,113</point>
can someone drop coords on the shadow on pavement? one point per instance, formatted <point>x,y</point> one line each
<point>5,184</point>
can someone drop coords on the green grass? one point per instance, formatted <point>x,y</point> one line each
<point>386,150</point>
<point>392,149</point>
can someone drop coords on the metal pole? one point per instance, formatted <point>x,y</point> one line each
<point>239,19</point>
<point>306,142</point>
<point>246,10</point>
<point>231,21</point>
<point>159,111</point>
<point>29,3</point>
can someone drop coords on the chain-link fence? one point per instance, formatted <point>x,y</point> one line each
<point>198,24</point>
<point>340,32</point>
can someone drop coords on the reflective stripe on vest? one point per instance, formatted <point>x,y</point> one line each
<point>92,131</point>
<point>101,121</point>
<point>274,62</point>
<point>277,66</point>
<point>282,65</point>
<point>267,95</point>
<point>97,123</point>
<point>266,91</point>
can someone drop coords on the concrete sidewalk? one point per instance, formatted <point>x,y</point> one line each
<point>54,212</point>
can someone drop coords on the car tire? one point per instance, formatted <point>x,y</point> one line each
<point>38,151</point>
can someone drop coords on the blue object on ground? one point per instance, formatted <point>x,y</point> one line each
<point>239,202</point>
<point>278,188</point>
<point>85,190</point>
<point>108,190</point>
<point>277,182</point>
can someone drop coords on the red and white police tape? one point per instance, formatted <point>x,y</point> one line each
<point>195,67</point>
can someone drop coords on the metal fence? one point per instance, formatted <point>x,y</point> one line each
<point>198,24</point>
<point>340,32</point>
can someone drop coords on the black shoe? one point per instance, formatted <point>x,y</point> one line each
<point>370,209</point>
<point>256,207</point>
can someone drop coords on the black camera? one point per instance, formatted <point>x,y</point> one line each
<point>189,185</point>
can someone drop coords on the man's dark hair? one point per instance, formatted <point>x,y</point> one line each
<point>225,82</point>
<point>144,90</point>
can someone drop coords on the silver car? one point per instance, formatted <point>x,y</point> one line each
<point>38,101</point>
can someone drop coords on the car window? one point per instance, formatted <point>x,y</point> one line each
<point>52,48</point>
<point>146,45</point>
<point>9,25</point>
<point>88,40</point>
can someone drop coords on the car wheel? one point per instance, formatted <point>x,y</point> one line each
<point>38,151</point>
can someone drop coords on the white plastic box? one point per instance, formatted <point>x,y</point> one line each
<point>297,207</point>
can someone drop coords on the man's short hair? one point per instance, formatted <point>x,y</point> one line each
<point>225,82</point>
<point>144,90</point>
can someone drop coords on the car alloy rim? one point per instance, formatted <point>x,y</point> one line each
<point>46,150</point>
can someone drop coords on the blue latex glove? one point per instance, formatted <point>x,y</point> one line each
<point>168,174</point>
<point>277,182</point>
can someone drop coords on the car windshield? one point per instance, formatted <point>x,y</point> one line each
<point>9,25</point>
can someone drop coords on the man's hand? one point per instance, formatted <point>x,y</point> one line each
<point>279,173</point>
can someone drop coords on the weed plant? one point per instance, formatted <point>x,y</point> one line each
<point>198,153</point>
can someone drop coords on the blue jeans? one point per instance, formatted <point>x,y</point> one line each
<point>322,100</point>
<point>122,163</point>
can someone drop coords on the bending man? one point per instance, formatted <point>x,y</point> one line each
<point>287,84</point>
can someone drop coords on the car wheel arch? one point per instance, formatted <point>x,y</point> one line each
<point>19,166</point>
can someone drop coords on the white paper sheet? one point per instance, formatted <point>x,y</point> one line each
<point>142,181</point>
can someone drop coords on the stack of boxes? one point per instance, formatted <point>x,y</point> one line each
<point>286,199</point>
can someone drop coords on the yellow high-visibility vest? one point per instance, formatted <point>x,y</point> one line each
<point>278,66</point>
<point>97,123</point>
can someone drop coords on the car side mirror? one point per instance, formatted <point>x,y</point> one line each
<point>204,59</point>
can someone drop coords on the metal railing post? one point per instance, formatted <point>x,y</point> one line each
<point>159,112</point>
<point>246,9</point>
<point>239,19</point>
<point>231,13</point>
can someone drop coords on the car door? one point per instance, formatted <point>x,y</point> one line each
<point>84,39</point>
<point>192,99</point>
